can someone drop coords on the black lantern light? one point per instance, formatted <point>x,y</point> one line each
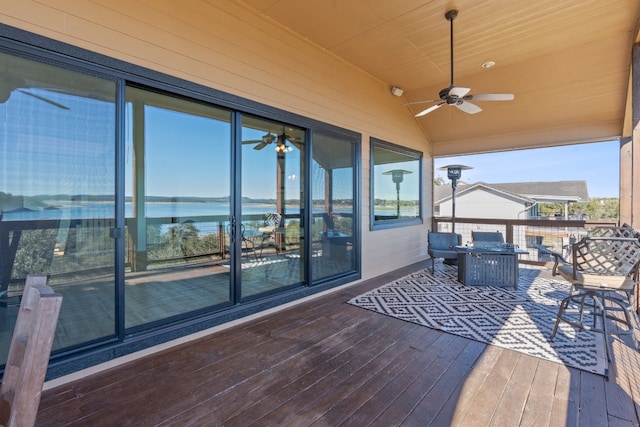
<point>454,172</point>
<point>397,175</point>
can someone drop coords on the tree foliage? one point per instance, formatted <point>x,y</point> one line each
<point>596,209</point>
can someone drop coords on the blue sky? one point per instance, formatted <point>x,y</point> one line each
<point>597,163</point>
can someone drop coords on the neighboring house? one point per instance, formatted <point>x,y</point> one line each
<point>516,200</point>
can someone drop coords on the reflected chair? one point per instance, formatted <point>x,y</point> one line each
<point>248,244</point>
<point>272,232</point>
<point>442,245</point>
<point>603,273</point>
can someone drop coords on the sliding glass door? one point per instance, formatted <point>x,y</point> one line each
<point>57,196</point>
<point>178,184</point>
<point>158,209</point>
<point>272,204</point>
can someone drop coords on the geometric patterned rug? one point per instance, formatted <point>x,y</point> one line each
<point>518,319</point>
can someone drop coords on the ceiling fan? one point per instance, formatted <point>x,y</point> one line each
<point>281,140</point>
<point>459,96</point>
<point>262,142</point>
<point>10,83</point>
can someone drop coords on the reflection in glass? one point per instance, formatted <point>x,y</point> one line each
<point>57,195</point>
<point>272,200</point>
<point>395,180</point>
<point>332,195</point>
<point>177,207</point>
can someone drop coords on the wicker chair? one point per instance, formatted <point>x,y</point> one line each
<point>603,273</point>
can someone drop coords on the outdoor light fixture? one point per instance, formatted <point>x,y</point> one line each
<point>397,175</point>
<point>454,172</point>
<point>396,91</point>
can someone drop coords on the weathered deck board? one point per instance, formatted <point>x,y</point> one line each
<point>327,363</point>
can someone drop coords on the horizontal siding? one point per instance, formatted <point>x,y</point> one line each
<point>229,47</point>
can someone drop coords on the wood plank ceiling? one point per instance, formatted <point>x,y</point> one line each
<point>567,62</point>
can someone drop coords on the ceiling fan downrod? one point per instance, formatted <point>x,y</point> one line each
<point>451,15</point>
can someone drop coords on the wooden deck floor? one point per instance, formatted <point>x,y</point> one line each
<point>327,363</point>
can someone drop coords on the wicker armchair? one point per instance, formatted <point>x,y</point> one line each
<point>603,273</point>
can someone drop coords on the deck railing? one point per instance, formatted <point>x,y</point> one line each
<point>537,236</point>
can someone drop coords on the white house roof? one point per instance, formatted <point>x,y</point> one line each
<point>544,191</point>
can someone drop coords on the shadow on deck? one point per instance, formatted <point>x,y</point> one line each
<point>327,363</point>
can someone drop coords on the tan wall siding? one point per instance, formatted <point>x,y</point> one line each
<point>226,46</point>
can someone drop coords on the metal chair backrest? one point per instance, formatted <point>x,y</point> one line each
<point>487,237</point>
<point>608,250</point>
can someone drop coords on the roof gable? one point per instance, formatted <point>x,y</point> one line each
<point>543,191</point>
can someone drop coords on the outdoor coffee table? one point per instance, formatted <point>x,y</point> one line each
<point>490,265</point>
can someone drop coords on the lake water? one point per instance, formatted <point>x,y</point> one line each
<point>158,210</point>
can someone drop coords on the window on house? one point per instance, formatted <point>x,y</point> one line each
<point>396,177</point>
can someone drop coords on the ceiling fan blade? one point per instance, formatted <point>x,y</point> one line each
<point>459,91</point>
<point>430,109</point>
<point>422,102</point>
<point>261,145</point>
<point>490,97</point>
<point>253,141</point>
<point>468,107</point>
<point>42,98</point>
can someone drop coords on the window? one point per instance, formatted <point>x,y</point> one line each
<point>396,177</point>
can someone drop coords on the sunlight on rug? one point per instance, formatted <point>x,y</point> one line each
<point>519,320</point>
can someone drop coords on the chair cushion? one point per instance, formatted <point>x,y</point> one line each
<point>442,253</point>
<point>595,281</point>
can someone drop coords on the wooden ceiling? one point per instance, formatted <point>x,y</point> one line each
<point>567,62</point>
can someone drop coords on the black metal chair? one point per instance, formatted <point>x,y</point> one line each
<point>603,273</point>
<point>272,232</point>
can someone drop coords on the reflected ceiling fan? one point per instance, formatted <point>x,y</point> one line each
<point>262,142</point>
<point>459,96</point>
<point>10,83</point>
<point>281,141</point>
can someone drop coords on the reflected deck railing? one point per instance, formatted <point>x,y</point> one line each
<point>66,247</point>
<point>536,236</point>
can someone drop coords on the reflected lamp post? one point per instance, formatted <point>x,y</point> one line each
<point>397,175</point>
<point>454,172</point>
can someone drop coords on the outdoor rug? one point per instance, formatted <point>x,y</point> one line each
<point>517,319</point>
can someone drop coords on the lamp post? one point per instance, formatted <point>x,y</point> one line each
<point>397,175</point>
<point>454,172</point>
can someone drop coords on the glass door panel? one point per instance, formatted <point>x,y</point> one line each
<point>178,171</point>
<point>57,196</point>
<point>332,195</point>
<point>272,201</point>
